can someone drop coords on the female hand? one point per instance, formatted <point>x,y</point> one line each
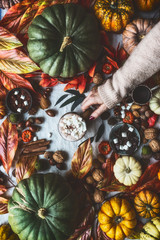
<point>94,99</point>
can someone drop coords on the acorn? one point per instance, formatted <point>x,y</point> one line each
<point>50,112</point>
<point>44,102</point>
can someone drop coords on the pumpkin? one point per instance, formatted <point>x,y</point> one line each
<point>114,14</point>
<point>147,204</point>
<point>135,32</point>
<point>117,218</point>
<point>127,170</point>
<point>43,207</point>
<point>64,40</point>
<point>154,102</point>
<point>6,233</point>
<point>147,5</point>
<point>151,230</point>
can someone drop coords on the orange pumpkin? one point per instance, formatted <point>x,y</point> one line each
<point>147,204</point>
<point>117,218</point>
<point>114,15</point>
<point>147,5</point>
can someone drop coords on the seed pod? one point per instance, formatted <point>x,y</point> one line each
<point>50,112</point>
<point>101,158</point>
<point>44,102</point>
<point>143,108</point>
<point>39,120</point>
<point>34,128</point>
<point>48,155</point>
<point>155,145</point>
<point>90,180</point>
<point>58,156</point>
<point>97,79</point>
<point>135,107</point>
<point>98,196</point>
<point>98,175</point>
<point>136,114</point>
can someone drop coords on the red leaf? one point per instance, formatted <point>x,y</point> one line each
<point>122,55</point>
<point>3,189</point>
<point>117,50</point>
<point>69,86</point>
<point>47,81</point>
<point>149,174</point>
<point>114,63</point>
<point>8,143</point>
<point>82,83</point>
<point>84,230</point>
<point>111,54</point>
<point>91,71</point>
<point>104,39</point>
<point>12,80</point>
<point>108,167</point>
<point>3,91</point>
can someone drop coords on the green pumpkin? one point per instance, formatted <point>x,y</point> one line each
<point>64,40</point>
<point>151,230</point>
<point>43,207</point>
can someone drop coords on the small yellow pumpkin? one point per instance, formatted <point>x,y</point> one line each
<point>151,230</point>
<point>114,14</point>
<point>147,5</point>
<point>147,204</point>
<point>6,233</point>
<point>154,102</point>
<point>127,170</point>
<point>117,218</point>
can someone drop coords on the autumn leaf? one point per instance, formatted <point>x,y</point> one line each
<point>7,40</point>
<point>8,143</point>
<point>3,205</point>
<point>48,81</point>
<point>84,230</point>
<point>15,61</point>
<point>91,71</point>
<point>112,187</point>
<point>19,17</point>
<point>3,189</point>
<point>12,80</point>
<point>3,91</point>
<point>25,167</point>
<point>147,177</point>
<point>82,160</point>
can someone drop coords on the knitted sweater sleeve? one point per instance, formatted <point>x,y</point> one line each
<point>141,65</point>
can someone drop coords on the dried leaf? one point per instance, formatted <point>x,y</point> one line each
<point>104,39</point>
<point>3,189</point>
<point>19,17</point>
<point>147,177</point>
<point>112,187</point>
<point>113,62</point>
<point>108,167</point>
<point>91,71</point>
<point>3,205</point>
<point>82,160</point>
<point>8,3</point>
<point>8,143</point>
<point>3,91</point>
<point>84,230</point>
<point>77,102</point>
<point>68,101</point>
<point>47,81</point>
<point>101,235</point>
<point>15,61</point>
<point>7,40</point>
<point>100,132</point>
<point>12,80</point>
<point>25,167</point>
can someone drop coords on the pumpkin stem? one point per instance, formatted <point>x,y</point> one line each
<point>128,170</point>
<point>42,212</point>
<point>141,36</point>
<point>118,219</point>
<point>66,41</point>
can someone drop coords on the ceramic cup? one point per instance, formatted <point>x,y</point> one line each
<point>141,94</point>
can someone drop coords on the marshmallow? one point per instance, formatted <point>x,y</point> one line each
<point>130,129</point>
<point>25,103</point>
<point>16,92</point>
<point>129,144</point>
<point>16,102</point>
<point>35,139</point>
<point>22,97</point>
<point>19,110</point>
<point>115,140</point>
<point>124,134</point>
<point>121,147</point>
<point>125,147</point>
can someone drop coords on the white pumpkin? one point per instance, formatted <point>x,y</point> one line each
<point>151,230</point>
<point>127,170</point>
<point>154,102</point>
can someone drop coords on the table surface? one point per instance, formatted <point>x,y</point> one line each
<point>50,127</point>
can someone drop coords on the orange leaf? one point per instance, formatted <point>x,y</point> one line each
<point>69,85</point>
<point>12,80</point>
<point>91,71</point>
<point>25,167</point>
<point>3,189</point>
<point>47,81</point>
<point>82,160</point>
<point>82,84</point>
<point>3,91</point>
<point>3,205</point>
<point>19,17</point>
<point>8,143</point>
<point>122,55</point>
<point>114,63</point>
<point>111,54</point>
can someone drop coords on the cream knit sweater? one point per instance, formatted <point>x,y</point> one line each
<point>141,64</point>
